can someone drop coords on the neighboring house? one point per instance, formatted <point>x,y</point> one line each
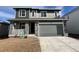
<point>38,21</point>
<point>73,23</point>
<point>4,29</point>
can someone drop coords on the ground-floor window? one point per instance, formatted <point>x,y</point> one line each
<point>19,25</point>
<point>22,25</point>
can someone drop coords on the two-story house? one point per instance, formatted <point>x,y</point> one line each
<point>38,21</point>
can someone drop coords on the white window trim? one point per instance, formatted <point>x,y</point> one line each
<point>20,12</point>
<point>44,11</point>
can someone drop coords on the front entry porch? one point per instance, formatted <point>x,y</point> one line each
<point>31,27</point>
<point>24,28</point>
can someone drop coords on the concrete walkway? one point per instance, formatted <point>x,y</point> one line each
<point>59,44</point>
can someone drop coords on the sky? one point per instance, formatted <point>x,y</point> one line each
<point>7,12</point>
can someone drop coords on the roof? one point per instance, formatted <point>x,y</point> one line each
<point>21,6</point>
<point>5,22</point>
<point>47,8</point>
<point>30,7</point>
<point>71,11</point>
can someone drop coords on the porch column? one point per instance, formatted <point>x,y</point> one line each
<point>11,28</point>
<point>36,29</point>
<point>63,29</point>
<point>26,28</point>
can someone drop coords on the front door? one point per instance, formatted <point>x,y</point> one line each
<point>32,27</point>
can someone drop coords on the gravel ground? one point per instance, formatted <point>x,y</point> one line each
<point>20,45</point>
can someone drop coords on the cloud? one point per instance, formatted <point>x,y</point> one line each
<point>6,15</point>
<point>7,9</point>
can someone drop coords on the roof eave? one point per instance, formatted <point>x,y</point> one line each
<point>30,7</point>
<point>37,19</point>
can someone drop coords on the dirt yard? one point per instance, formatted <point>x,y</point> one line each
<point>20,45</point>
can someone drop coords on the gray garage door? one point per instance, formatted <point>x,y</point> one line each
<point>50,30</point>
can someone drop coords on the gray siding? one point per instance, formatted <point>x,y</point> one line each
<point>73,23</point>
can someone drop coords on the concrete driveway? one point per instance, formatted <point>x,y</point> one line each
<point>59,44</point>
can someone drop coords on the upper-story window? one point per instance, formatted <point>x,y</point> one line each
<point>55,14</point>
<point>43,14</point>
<point>33,13</point>
<point>22,13</point>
